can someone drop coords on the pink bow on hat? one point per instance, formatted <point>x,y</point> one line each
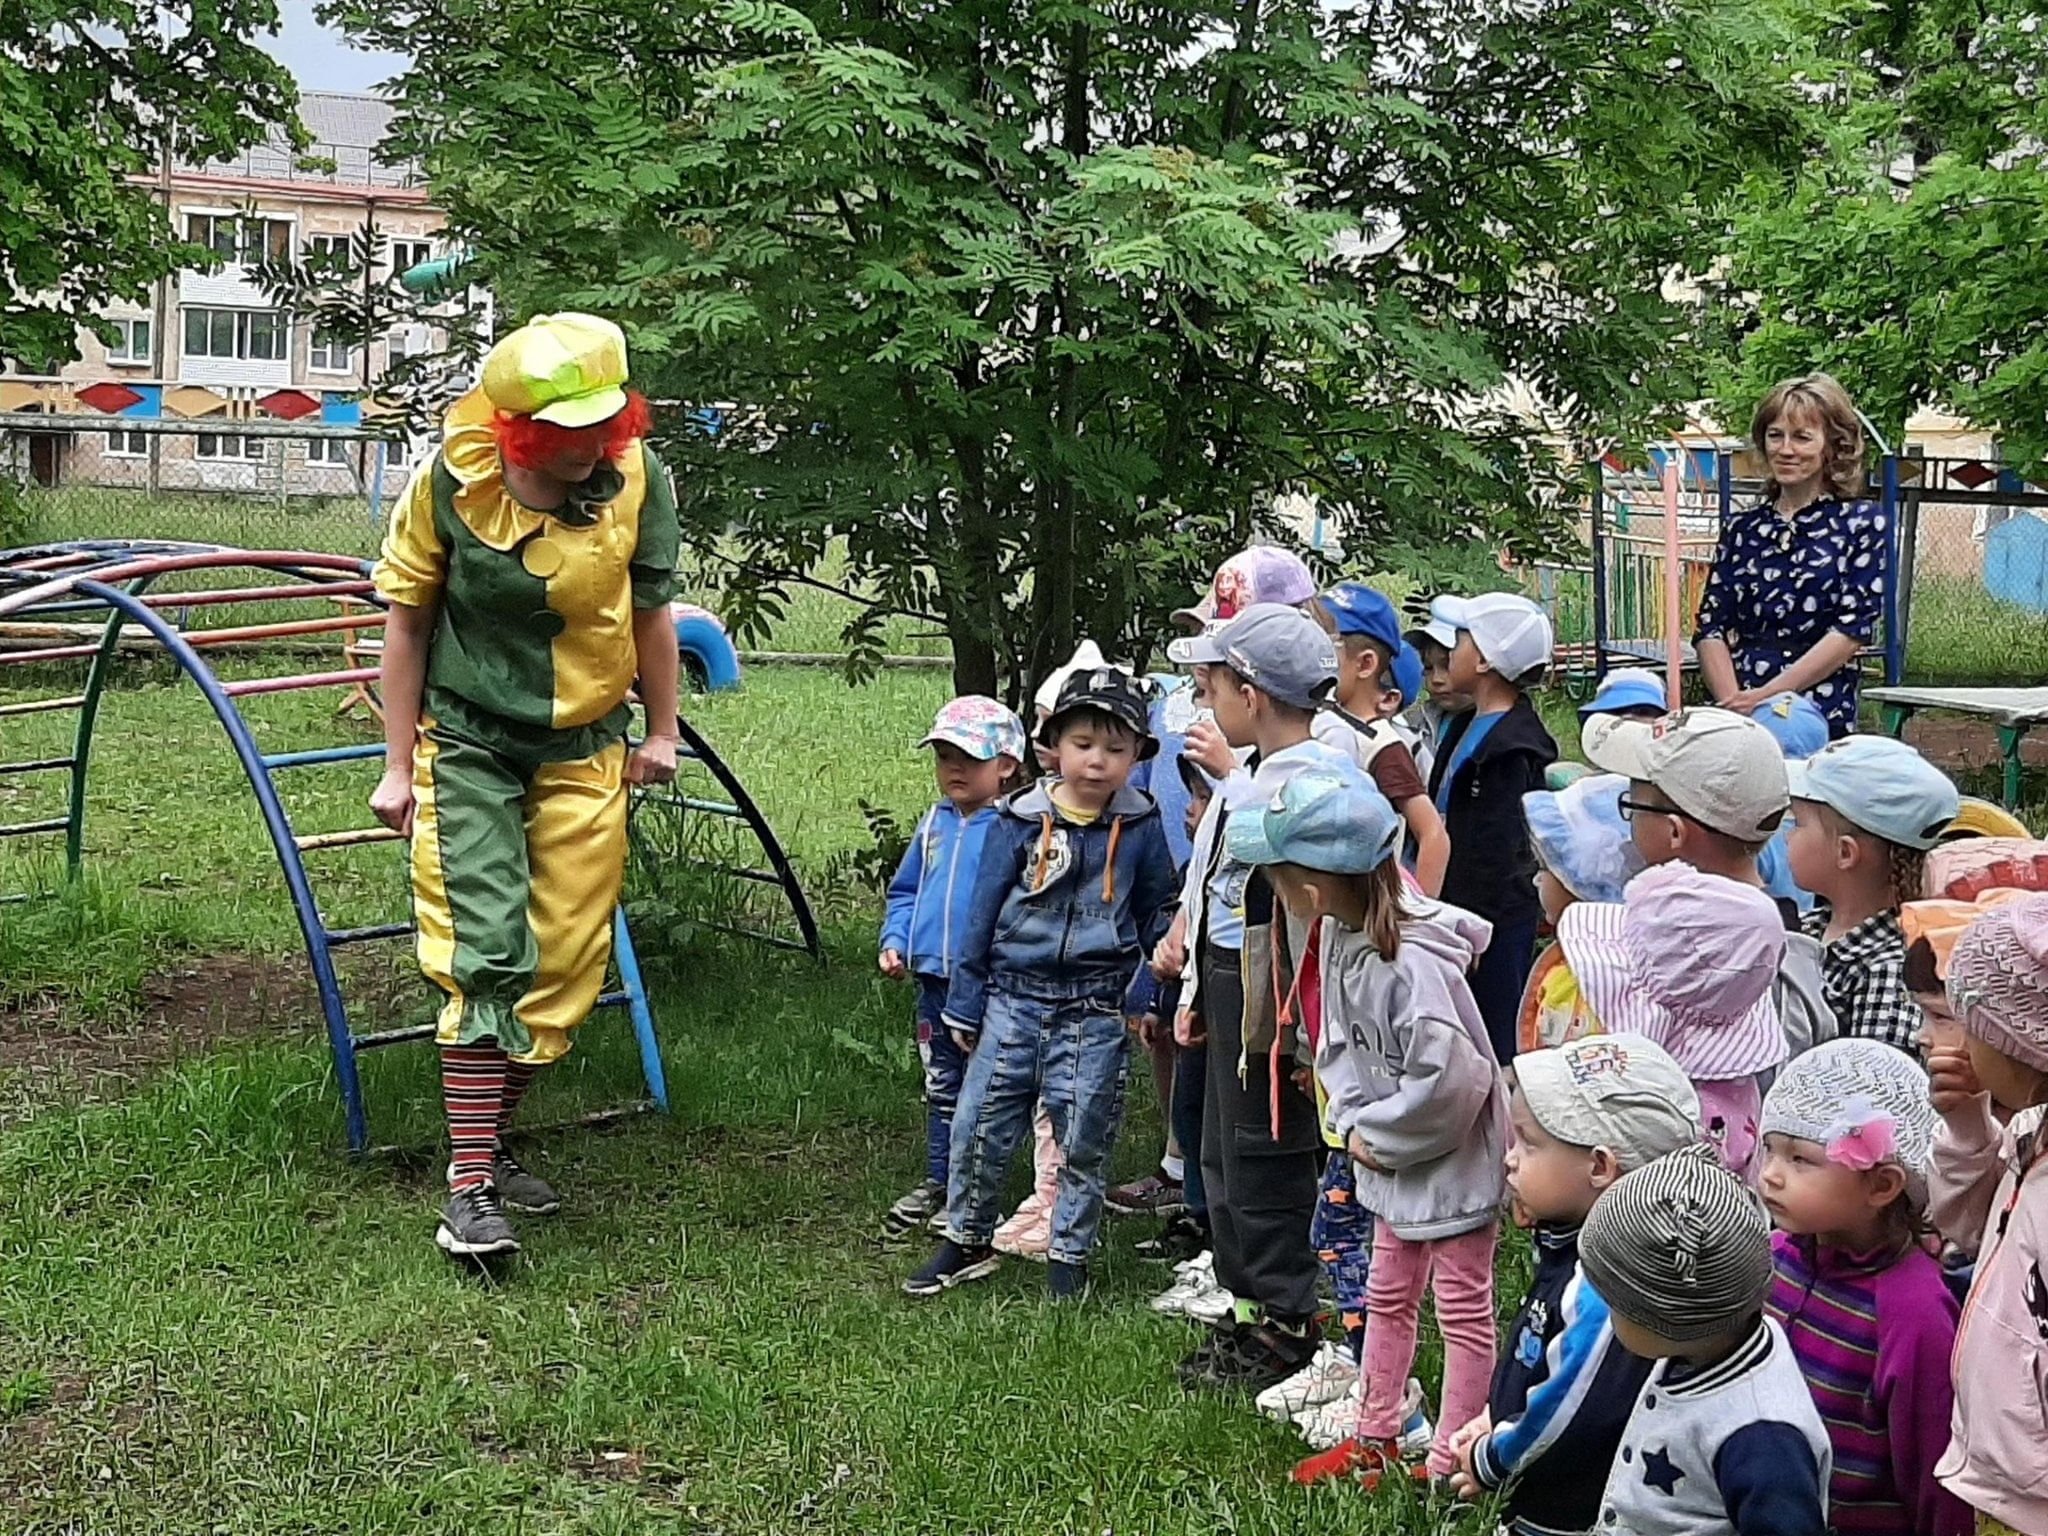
<point>1863,1136</point>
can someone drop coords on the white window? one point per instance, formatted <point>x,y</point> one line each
<point>329,354</point>
<point>329,251</point>
<point>127,445</point>
<point>242,335</point>
<point>407,254</point>
<point>241,237</point>
<point>131,342</point>
<point>397,454</point>
<point>233,447</point>
<point>328,450</point>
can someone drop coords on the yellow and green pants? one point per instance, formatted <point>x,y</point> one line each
<point>516,868</point>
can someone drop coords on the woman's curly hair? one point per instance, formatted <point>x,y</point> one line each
<point>531,443</point>
<point>1820,396</point>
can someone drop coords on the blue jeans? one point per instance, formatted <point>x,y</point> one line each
<point>1073,1055</point>
<point>945,1065</point>
<point>1190,1085</point>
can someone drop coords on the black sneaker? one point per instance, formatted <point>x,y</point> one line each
<point>1067,1282</point>
<point>914,1210</point>
<point>473,1226</point>
<point>1265,1355</point>
<point>1153,1195</point>
<point>519,1190</point>
<point>1216,1342</point>
<point>952,1265</point>
<point>1181,1238</point>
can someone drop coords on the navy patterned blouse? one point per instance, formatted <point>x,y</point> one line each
<point>1778,585</point>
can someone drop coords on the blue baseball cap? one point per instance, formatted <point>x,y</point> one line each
<point>1880,785</point>
<point>1795,723</point>
<point>1626,688</point>
<point>1332,819</point>
<point>1358,610</point>
<point>1407,673</point>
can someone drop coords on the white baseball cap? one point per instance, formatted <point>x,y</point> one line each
<point>1512,633</point>
<point>1722,769</point>
<point>1622,1092</point>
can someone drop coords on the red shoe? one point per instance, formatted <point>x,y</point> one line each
<point>1364,1462</point>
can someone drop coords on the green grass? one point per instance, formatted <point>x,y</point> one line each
<point>215,1322</point>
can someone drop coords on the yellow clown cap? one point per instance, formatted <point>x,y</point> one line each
<point>567,369</point>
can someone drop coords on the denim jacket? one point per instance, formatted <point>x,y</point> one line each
<point>929,896</point>
<point>1061,907</point>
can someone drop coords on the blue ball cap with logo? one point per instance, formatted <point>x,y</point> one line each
<point>1357,609</point>
<point>1407,672</point>
<point>1626,688</point>
<point>1328,818</point>
<point>1880,785</point>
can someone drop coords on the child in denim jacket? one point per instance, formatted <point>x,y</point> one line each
<point>1075,887</point>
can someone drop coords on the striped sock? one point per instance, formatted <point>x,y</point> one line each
<point>519,1077</point>
<point>473,1087</point>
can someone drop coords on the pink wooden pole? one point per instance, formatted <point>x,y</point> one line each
<point>1674,645</point>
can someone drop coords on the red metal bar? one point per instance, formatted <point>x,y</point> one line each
<point>258,594</point>
<point>314,841</point>
<point>43,706</point>
<point>200,639</point>
<point>301,680</point>
<point>159,565</point>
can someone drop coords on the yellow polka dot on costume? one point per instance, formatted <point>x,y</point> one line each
<point>541,558</point>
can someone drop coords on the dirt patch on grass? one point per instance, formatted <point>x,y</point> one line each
<point>1952,742</point>
<point>51,1051</point>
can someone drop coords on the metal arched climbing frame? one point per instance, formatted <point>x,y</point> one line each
<point>56,592</point>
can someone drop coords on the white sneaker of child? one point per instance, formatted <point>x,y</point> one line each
<point>1028,1232</point>
<point>1327,1425</point>
<point>1331,1374</point>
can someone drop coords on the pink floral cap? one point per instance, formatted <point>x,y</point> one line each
<point>1998,981</point>
<point>1261,574</point>
<point>980,727</point>
<point>1688,959</point>
<point>1864,1102</point>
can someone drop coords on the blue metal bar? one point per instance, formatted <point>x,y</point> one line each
<point>1894,641</point>
<point>280,829</point>
<point>356,754</point>
<point>628,961</point>
<point>340,936</point>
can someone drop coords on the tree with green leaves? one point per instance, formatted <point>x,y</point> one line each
<point>1037,305</point>
<point>1913,261</point>
<point>93,95</point>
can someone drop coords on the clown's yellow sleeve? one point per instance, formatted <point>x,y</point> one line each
<point>413,565</point>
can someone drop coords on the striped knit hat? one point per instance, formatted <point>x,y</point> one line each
<point>1680,1247</point>
<point>1862,1100</point>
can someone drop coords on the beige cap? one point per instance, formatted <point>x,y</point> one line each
<point>1722,769</point>
<point>1621,1092</point>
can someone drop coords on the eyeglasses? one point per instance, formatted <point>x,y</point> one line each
<point>1629,808</point>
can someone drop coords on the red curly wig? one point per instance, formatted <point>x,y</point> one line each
<point>534,444</point>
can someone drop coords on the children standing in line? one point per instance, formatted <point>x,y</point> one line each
<point>1583,853</point>
<point>1584,1115</point>
<point>1724,1438</point>
<point>977,746</point>
<point>1413,1090</point>
<point>1488,758</point>
<point>1074,889</point>
<point>1990,1194</point>
<point>1368,636</point>
<point>1865,812</point>
<point>1848,1134</point>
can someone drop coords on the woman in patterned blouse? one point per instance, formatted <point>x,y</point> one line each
<point>1798,581</point>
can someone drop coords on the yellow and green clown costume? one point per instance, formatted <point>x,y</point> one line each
<point>519,831</point>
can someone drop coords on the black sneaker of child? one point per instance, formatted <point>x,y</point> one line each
<point>519,1190</point>
<point>473,1226</point>
<point>1153,1195</point>
<point>1262,1355</point>
<point>1216,1342</point>
<point>915,1209</point>
<point>1067,1282</point>
<point>952,1265</point>
<point>1180,1239</point>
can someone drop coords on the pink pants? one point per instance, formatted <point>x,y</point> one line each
<point>1458,1271</point>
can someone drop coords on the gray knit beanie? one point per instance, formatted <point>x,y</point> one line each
<point>1680,1246</point>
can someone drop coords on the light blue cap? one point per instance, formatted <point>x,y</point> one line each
<point>1579,836</point>
<point>1880,785</point>
<point>1332,819</point>
<point>1626,688</point>
<point>1795,722</point>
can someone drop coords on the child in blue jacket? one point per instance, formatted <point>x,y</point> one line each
<point>977,747</point>
<point>1075,885</point>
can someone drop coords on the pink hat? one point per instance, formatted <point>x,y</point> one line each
<point>1689,960</point>
<point>1261,574</point>
<point>1998,981</point>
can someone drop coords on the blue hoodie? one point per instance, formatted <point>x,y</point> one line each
<point>929,895</point>
<point>1060,907</point>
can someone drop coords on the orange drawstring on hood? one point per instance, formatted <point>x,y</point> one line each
<point>1116,831</point>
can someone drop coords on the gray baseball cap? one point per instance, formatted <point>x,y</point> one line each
<point>1720,768</point>
<point>1277,649</point>
<point>1621,1092</point>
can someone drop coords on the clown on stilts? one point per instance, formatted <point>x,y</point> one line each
<point>529,565</point>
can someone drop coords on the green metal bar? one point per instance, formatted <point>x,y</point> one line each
<point>88,717</point>
<point>1895,718</point>
<point>2009,738</point>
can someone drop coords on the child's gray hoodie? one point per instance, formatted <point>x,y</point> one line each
<point>1405,1062</point>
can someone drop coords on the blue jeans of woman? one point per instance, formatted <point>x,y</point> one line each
<point>945,1064</point>
<point>1070,1052</point>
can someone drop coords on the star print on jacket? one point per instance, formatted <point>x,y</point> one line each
<point>1659,1473</point>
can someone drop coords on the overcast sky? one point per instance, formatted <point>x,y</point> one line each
<point>321,57</point>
